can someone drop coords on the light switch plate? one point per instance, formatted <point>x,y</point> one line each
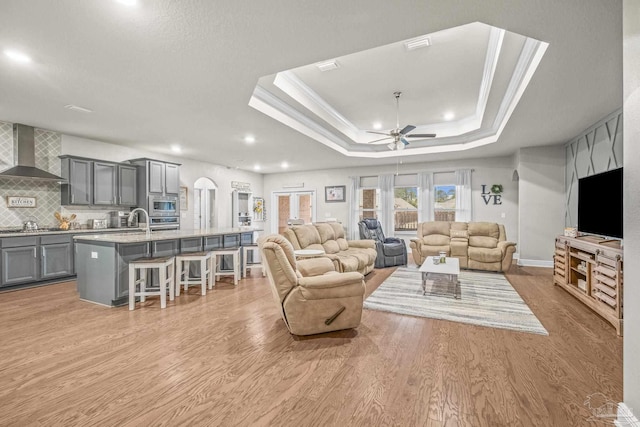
<point>94,255</point>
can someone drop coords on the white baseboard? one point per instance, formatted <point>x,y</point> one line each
<point>535,263</point>
<point>626,417</point>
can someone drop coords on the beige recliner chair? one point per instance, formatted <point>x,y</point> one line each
<point>312,297</point>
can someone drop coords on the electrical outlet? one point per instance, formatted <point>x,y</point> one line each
<point>503,215</point>
<point>94,255</point>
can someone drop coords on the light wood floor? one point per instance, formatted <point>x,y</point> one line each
<point>227,359</point>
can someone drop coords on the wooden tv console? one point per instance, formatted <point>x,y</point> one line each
<point>590,269</point>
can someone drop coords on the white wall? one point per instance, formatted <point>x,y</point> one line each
<point>541,202</point>
<point>190,171</point>
<point>631,55</point>
<point>486,171</point>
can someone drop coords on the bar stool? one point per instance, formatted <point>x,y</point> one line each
<point>166,279</point>
<point>254,251</point>
<point>183,262</point>
<point>219,256</point>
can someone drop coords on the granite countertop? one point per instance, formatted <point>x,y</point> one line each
<point>45,231</point>
<point>162,235</point>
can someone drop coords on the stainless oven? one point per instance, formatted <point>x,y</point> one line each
<point>164,223</point>
<point>163,206</point>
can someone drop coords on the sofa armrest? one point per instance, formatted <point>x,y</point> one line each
<point>504,245</point>
<point>415,244</point>
<point>331,280</point>
<point>315,266</point>
<point>363,244</point>
<point>394,240</point>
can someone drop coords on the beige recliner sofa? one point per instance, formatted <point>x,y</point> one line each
<point>477,245</point>
<point>312,297</point>
<point>347,255</point>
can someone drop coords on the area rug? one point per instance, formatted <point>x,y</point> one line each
<point>486,299</point>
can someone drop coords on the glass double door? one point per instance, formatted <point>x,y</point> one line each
<point>294,207</point>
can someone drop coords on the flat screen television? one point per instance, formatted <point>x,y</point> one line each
<point>600,204</point>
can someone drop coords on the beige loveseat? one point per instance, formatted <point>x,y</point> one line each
<point>347,255</point>
<point>312,297</point>
<point>478,245</point>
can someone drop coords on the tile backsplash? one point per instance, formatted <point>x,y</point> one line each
<point>48,146</point>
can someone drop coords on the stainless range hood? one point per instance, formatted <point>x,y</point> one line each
<point>24,157</point>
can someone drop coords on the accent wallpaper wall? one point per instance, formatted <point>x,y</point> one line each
<point>47,150</point>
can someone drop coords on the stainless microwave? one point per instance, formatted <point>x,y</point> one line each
<point>163,206</point>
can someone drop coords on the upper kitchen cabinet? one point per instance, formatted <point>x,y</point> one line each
<point>79,187</point>
<point>127,181</point>
<point>157,178</point>
<point>98,183</point>
<point>105,183</point>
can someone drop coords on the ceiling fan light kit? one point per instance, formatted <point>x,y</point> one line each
<point>398,135</point>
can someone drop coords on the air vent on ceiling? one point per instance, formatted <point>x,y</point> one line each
<point>417,43</point>
<point>77,108</point>
<point>327,65</point>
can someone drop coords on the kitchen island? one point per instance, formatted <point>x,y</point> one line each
<point>102,260</point>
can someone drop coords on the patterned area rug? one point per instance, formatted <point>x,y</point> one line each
<point>486,299</point>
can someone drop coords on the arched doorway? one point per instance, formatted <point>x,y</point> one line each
<point>205,214</point>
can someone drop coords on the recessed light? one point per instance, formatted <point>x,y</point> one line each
<point>449,115</point>
<point>17,56</point>
<point>284,165</point>
<point>249,139</point>
<point>256,167</point>
<point>417,43</point>
<point>176,148</point>
<point>327,65</point>
<point>377,125</point>
<point>77,108</point>
<point>128,2</point>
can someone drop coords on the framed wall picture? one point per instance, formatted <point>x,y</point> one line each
<point>334,194</point>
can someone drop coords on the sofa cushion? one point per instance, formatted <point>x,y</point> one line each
<point>338,230</point>
<point>326,232</point>
<point>342,244</point>
<point>393,249</point>
<point>459,234</point>
<point>331,247</point>
<point>489,229</point>
<point>435,240</point>
<point>434,227</point>
<point>434,250</point>
<point>307,235</point>
<point>485,254</point>
<point>348,263</point>
<point>483,242</point>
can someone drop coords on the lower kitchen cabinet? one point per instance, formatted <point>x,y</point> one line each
<point>33,259</point>
<point>20,265</point>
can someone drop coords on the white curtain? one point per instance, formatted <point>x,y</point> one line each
<point>387,201</point>
<point>463,195</point>
<point>354,217</point>
<point>425,204</point>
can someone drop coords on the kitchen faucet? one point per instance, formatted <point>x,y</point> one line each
<point>130,219</point>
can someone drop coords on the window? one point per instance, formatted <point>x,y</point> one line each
<point>368,203</point>
<point>405,209</point>
<point>444,208</point>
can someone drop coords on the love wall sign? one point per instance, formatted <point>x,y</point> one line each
<point>494,194</point>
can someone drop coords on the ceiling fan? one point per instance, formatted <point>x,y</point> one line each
<point>398,135</point>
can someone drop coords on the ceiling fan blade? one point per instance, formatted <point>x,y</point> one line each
<point>407,129</point>
<point>378,133</point>
<point>378,140</point>
<point>404,141</point>
<point>421,135</point>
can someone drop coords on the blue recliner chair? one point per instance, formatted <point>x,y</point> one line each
<point>391,250</point>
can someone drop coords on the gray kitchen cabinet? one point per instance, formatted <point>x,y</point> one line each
<point>172,179</point>
<point>125,254</point>
<point>56,260</point>
<point>156,177</point>
<point>78,190</point>
<point>127,181</point>
<point>20,265</point>
<point>104,183</point>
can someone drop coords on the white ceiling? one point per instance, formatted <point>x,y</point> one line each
<point>168,72</point>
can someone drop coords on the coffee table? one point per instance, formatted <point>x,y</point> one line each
<point>451,268</point>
